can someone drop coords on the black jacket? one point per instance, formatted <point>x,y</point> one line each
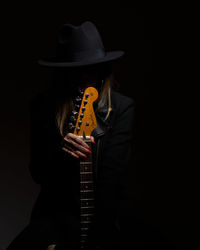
<point>58,172</point>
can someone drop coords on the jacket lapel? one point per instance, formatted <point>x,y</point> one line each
<point>102,126</point>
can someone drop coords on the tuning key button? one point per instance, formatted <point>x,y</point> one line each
<point>71,126</point>
<point>77,106</point>
<point>81,91</point>
<point>85,102</point>
<point>83,108</point>
<point>78,99</point>
<point>72,118</point>
<point>79,123</point>
<point>78,129</point>
<point>74,112</point>
<point>87,124</point>
<point>86,95</point>
<point>81,115</point>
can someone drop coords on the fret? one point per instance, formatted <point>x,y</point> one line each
<point>87,195</point>
<point>86,139</point>
<point>86,182</point>
<point>84,229</point>
<point>86,172</point>
<point>86,188</point>
<point>85,191</point>
<point>84,235</point>
<point>87,199</point>
<point>87,207</point>
<point>86,214</point>
<point>85,162</point>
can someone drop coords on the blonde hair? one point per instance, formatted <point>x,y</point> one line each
<point>64,110</point>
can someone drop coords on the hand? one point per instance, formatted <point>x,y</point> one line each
<point>75,146</point>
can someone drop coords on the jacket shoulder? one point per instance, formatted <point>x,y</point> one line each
<point>120,101</point>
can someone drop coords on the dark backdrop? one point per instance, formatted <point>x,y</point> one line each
<point>161,191</point>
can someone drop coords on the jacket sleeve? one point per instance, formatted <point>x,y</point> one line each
<point>116,156</point>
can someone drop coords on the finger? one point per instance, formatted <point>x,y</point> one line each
<point>77,152</point>
<point>77,139</point>
<point>74,146</point>
<point>70,152</point>
<point>51,247</point>
<point>80,154</point>
<point>92,139</point>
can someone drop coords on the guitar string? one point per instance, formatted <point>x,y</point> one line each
<point>84,178</point>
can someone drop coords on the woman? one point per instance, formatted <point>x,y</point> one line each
<point>56,151</point>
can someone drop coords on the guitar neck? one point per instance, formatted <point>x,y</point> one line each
<point>82,124</point>
<point>86,196</point>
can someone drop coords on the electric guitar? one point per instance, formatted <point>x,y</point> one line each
<point>82,123</point>
<point>85,123</point>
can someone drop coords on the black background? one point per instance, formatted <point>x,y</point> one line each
<point>164,191</point>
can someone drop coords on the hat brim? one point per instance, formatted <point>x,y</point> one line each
<point>54,62</point>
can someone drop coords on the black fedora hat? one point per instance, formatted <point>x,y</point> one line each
<point>79,46</point>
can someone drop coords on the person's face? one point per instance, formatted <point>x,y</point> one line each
<point>84,78</point>
<point>74,79</point>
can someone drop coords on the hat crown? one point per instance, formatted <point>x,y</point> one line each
<point>78,46</point>
<point>77,43</point>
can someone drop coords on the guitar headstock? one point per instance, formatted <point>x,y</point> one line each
<point>83,120</point>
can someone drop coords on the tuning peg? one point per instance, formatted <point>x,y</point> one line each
<point>81,91</point>
<point>72,118</point>
<point>79,123</point>
<point>85,102</point>
<point>71,126</point>
<point>77,106</point>
<point>74,112</point>
<point>81,115</point>
<point>83,108</point>
<point>78,99</point>
<point>86,95</point>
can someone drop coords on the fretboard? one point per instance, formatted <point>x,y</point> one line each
<point>86,197</point>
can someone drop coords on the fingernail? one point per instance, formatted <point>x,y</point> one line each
<point>93,142</point>
<point>89,152</point>
<point>85,156</point>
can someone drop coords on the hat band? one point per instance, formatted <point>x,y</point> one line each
<point>83,55</point>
